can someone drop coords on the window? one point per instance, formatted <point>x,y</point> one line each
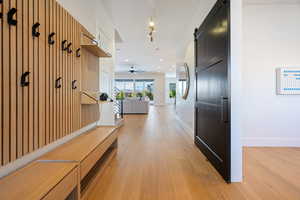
<point>139,85</point>
<point>126,85</point>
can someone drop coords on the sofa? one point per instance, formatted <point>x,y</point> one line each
<point>135,106</point>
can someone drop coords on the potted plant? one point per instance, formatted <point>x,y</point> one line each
<point>120,96</point>
<point>172,94</point>
<point>139,95</point>
<point>149,95</point>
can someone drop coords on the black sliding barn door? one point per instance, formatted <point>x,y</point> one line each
<point>212,107</point>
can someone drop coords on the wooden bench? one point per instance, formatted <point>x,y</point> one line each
<point>87,150</point>
<point>41,180</point>
<point>57,173</point>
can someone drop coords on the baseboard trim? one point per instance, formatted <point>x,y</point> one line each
<point>185,126</point>
<point>271,142</point>
<point>21,162</point>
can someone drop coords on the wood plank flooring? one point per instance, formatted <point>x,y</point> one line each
<point>157,160</point>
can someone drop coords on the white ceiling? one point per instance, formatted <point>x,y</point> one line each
<point>175,22</point>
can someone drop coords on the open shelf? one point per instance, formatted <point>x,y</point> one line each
<point>90,99</point>
<point>96,50</point>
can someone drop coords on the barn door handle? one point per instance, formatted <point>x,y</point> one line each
<point>74,87</point>
<point>69,50</point>
<point>10,17</point>
<point>78,53</point>
<point>63,45</point>
<point>224,109</point>
<point>24,83</point>
<point>50,40</point>
<point>35,33</point>
<point>58,83</point>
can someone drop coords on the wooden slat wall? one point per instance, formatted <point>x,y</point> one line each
<point>31,78</point>
<point>42,74</point>
<point>35,79</point>
<point>26,112</point>
<point>1,68</point>
<point>47,72</point>
<point>78,78</point>
<point>13,87</point>
<point>51,74</point>
<point>6,87</point>
<point>20,65</point>
<point>55,70</point>
<point>38,114</point>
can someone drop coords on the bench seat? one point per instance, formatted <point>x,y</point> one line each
<point>86,149</point>
<point>40,180</point>
<point>59,173</point>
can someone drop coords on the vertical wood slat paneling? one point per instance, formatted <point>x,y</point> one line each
<point>56,72</point>
<point>1,95</point>
<point>79,77</point>
<point>75,112</point>
<point>38,114</point>
<point>31,77</point>
<point>69,74</point>
<point>50,65</point>
<point>72,77</point>
<point>41,74</point>
<point>36,122</point>
<point>13,87</point>
<point>54,64</point>
<point>59,111</point>
<point>47,73</point>
<point>6,86</point>
<point>20,94</point>
<point>1,69</point>
<point>64,75</point>
<point>65,67</point>
<point>25,114</point>
<point>61,69</point>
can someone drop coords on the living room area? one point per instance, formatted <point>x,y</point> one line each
<point>138,91</point>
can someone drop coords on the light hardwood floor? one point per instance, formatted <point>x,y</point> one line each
<point>157,160</point>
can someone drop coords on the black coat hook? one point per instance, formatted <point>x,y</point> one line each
<point>63,45</point>
<point>35,33</point>
<point>24,83</point>
<point>10,17</point>
<point>74,87</point>
<point>78,53</point>
<point>58,83</point>
<point>50,40</point>
<point>69,50</point>
<point>1,14</point>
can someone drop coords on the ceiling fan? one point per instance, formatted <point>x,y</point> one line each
<point>133,70</point>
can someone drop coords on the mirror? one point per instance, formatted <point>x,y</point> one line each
<point>183,78</point>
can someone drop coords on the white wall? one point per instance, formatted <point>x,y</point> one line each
<point>84,12</point>
<point>271,40</point>
<point>185,108</point>
<point>159,84</point>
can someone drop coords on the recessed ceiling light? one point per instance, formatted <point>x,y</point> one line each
<point>126,60</point>
<point>161,60</point>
